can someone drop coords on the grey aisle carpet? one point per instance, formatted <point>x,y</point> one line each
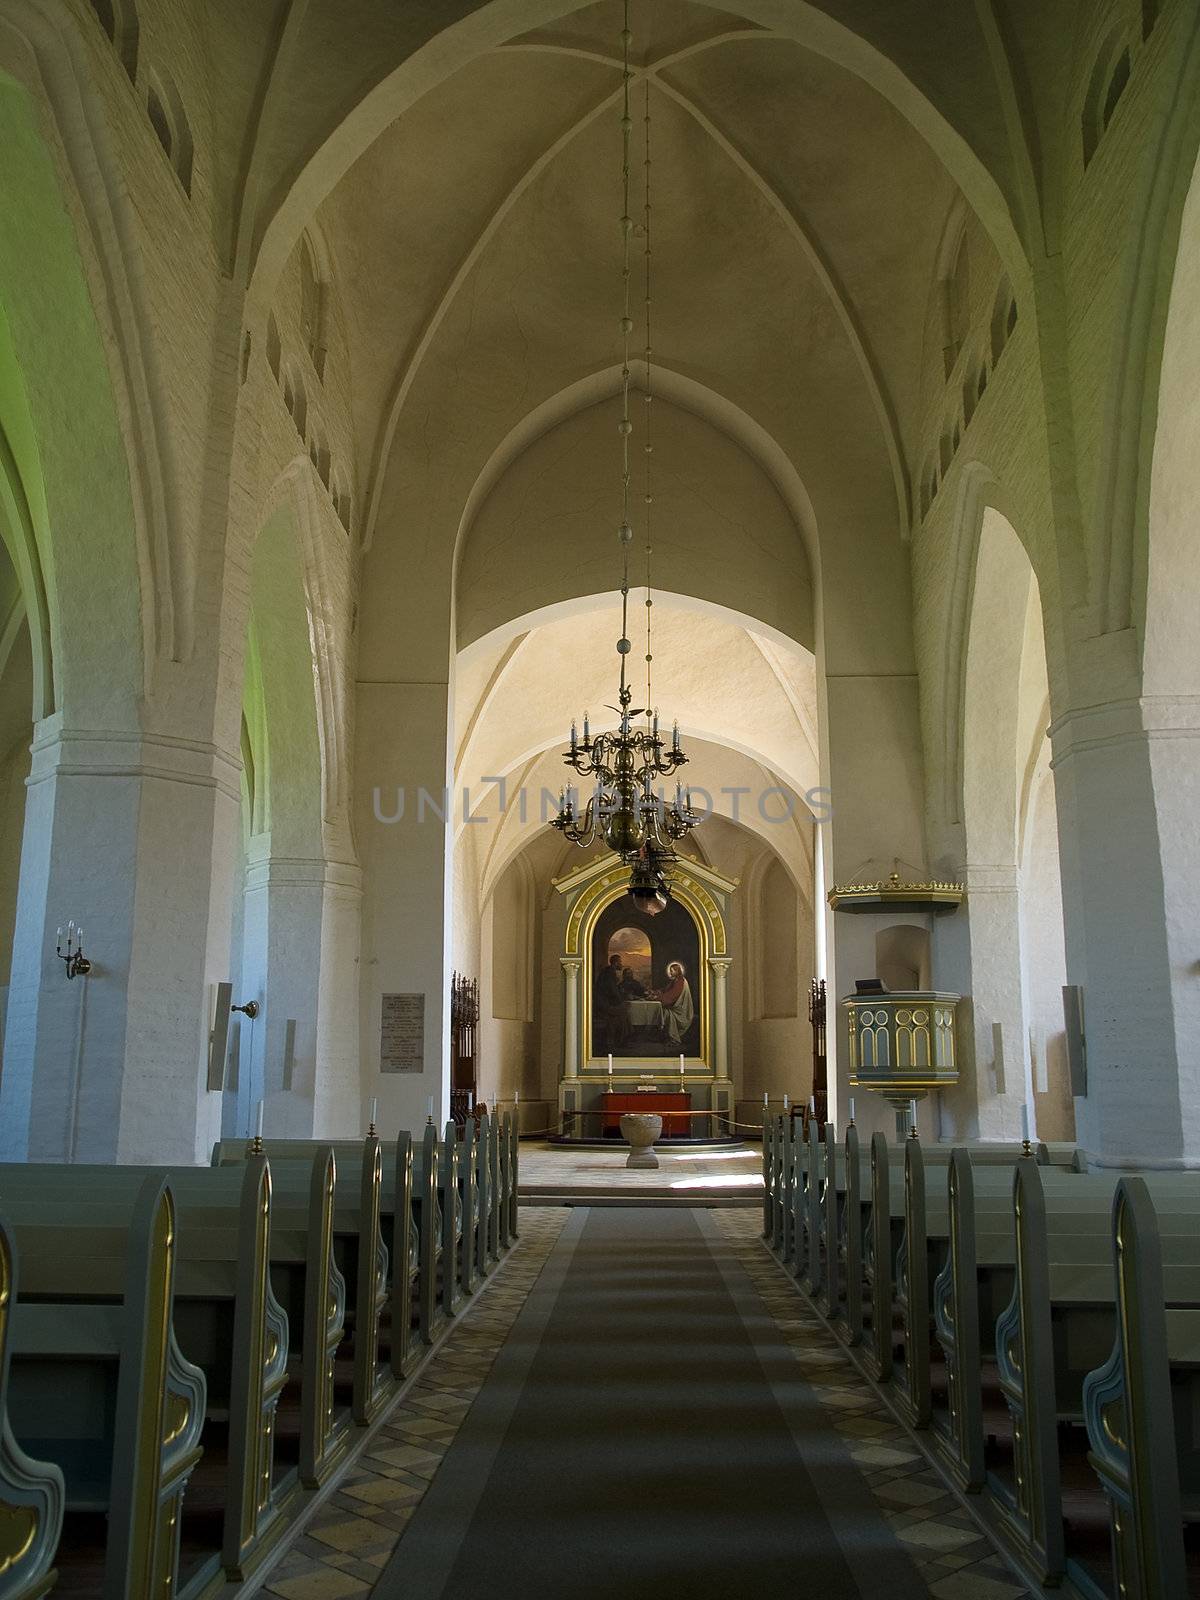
<point>646,1432</point>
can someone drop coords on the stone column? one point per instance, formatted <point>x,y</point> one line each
<point>722,1089</point>
<point>300,962</point>
<point>987,1101</point>
<point>570,1090</point>
<point>1125,780</point>
<point>719,967</point>
<point>133,835</point>
<point>405,844</point>
<point>571,967</point>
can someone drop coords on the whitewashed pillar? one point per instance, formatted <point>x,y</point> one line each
<point>405,844</point>
<point>719,966</point>
<point>1126,779</point>
<point>134,836</point>
<point>571,968</point>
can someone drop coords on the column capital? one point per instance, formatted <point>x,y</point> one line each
<point>570,963</point>
<point>720,964</point>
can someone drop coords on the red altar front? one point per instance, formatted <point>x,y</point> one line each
<point>615,1106</point>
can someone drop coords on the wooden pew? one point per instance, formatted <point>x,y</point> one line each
<point>408,1317</point>
<point>1060,1323</point>
<point>247,1248</point>
<point>1141,1409</point>
<point>814,1181</point>
<point>513,1148</point>
<point>848,1245</point>
<point>31,1492</point>
<point>97,1383</point>
<point>361,1254</point>
<point>474,1225</point>
<point>832,1288</point>
<point>441,1156</point>
<point>789,1176</point>
<point>768,1176</point>
<point>880,1241</point>
<point>795,1199</point>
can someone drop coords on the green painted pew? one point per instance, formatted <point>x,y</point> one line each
<point>31,1492</point>
<point>98,1385</point>
<point>227,1322</point>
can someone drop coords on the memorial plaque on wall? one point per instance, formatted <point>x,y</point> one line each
<point>402,1033</point>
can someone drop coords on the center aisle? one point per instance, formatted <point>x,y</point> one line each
<point>646,1430</point>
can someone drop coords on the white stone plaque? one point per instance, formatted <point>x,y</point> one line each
<point>402,1033</point>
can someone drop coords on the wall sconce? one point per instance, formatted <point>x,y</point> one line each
<point>77,964</point>
<point>250,1009</point>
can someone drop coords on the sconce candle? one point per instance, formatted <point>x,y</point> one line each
<point>258,1120</point>
<point>812,1105</point>
<point>851,1108</point>
<point>73,958</point>
<point>1025,1123</point>
<point>374,1110</point>
<point>912,1118</point>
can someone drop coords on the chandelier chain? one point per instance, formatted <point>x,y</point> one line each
<point>625,810</point>
<point>626,423</point>
<point>648,446</point>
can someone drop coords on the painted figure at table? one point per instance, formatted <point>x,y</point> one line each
<point>616,986</point>
<point>675,997</point>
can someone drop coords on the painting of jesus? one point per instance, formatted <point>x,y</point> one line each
<point>643,972</point>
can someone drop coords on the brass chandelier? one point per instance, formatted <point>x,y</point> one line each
<point>626,808</point>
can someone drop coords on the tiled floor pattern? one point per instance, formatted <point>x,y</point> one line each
<point>955,1559</point>
<point>684,1174</point>
<point>349,1538</point>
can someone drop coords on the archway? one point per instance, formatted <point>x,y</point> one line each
<point>285,890</point>
<point>1017,948</point>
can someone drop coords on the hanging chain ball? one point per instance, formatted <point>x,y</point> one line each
<point>623,647</point>
<point>624,426</point>
<point>625,533</point>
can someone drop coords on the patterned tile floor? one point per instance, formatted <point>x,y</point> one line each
<point>348,1538</point>
<point>957,1561</point>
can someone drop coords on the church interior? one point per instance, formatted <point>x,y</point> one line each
<point>598,777</point>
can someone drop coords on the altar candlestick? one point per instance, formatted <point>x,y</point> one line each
<point>681,1065</point>
<point>610,1064</point>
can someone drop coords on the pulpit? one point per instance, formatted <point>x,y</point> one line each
<point>615,1106</point>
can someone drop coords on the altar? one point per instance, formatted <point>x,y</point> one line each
<point>645,1024</point>
<point>614,1106</point>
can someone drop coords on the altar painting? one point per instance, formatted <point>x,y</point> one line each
<point>645,974</point>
